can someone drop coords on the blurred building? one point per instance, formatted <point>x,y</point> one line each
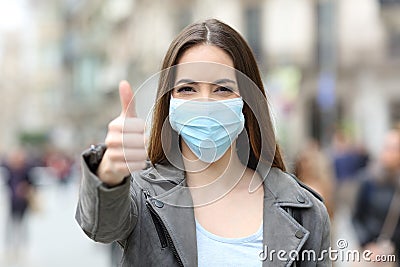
<point>322,61</point>
<point>31,71</point>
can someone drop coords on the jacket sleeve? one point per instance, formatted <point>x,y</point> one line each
<point>105,214</point>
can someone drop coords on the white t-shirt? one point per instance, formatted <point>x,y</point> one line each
<point>218,251</point>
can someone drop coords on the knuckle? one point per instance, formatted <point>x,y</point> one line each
<point>113,141</point>
<point>130,140</point>
<point>134,125</point>
<point>140,121</point>
<point>115,124</point>
<point>114,156</point>
<point>111,125</point>
<point>108,139</point>
<point>122,169</point>
<point>143,155</point>
<point>138,165</point>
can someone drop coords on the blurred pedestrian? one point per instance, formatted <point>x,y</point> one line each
<point>314,169</point>
<point>348,160</point>
<point>377,210</point>
<point>60,164</point>
<point>20,189</point>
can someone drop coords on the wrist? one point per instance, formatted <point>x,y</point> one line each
<point>106,176</point>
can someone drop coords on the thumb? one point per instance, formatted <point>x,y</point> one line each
<point>127,100</point>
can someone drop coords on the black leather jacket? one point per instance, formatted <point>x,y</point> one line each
<point>372,205</point>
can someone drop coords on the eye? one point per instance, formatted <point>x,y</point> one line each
<point>224,89</point>
<point>185,89</point>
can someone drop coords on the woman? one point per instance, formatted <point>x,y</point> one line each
<point>199,201</point>
<point>313,169</point>
<point>376,214</point>
<point>19,180</point>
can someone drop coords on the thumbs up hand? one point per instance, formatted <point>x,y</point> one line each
<point>125,142</point>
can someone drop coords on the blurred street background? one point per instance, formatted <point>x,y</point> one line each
<point>331,69</point>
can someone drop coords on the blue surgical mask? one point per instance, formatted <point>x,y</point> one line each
<point>207,127</point>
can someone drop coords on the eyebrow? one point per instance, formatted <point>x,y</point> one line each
<point>185,81</point>
<point>220,81</point>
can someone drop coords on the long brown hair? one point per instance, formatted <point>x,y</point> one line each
<point>258,124</point>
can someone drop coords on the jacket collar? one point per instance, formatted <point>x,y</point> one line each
<point>284,189</point>
<point>279,185</point>
<point>164,171</point>
<point>280,230</point>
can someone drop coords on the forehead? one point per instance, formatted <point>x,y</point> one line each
<point>205,63</point>
<point>205,52</point>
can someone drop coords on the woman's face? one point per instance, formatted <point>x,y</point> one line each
<point>390,155</point>
<point>212,79</point>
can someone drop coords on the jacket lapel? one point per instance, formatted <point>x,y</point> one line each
<point>283,235</point>
<point>175,209</point>
<point>178,218</point>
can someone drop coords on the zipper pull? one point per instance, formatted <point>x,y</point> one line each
<point>150,199</point>
<point>146,194</point>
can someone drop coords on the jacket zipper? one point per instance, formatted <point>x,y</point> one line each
<point>162,231</point>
